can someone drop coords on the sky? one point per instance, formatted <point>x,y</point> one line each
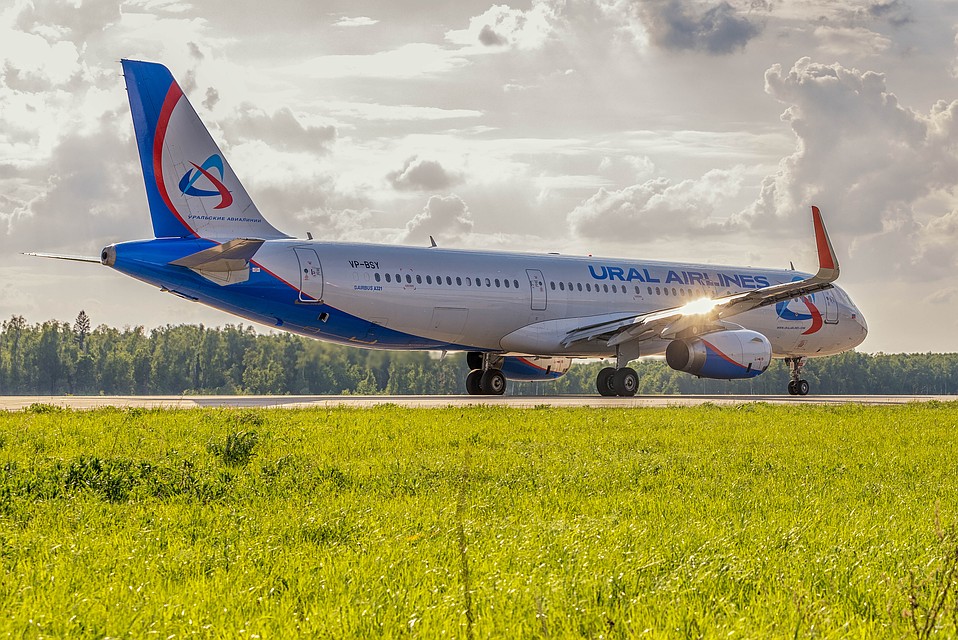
<point>679,130</point>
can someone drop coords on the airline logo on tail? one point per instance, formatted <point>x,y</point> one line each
<point>188,186</point>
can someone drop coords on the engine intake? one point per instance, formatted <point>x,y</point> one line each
<point>723,355</point>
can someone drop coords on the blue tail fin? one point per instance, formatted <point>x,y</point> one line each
<point>191,189</point>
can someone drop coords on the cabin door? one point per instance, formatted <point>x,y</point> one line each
<point>831,308</point>
<point>538,285</point>
<point>310,275</point>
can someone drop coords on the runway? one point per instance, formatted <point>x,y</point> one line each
<point>15,403</point>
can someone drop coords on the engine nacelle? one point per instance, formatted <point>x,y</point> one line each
<point>724,355</point>
<point>534,368</point>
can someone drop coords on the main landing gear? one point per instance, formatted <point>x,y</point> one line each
<point>617,382</point>
<point>796,386</point>
<point>485,377</point>
<point>620,380</point>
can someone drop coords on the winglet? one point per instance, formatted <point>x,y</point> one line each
<point>827,262</point>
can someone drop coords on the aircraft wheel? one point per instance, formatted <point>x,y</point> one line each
<point>603,382</point>
<point>802,388</point>
<point>473,387</point>
<point>493,383</point>
<point>793,387</point>
<point>625,382</point>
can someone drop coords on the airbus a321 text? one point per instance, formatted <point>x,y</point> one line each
<point>517,316</point>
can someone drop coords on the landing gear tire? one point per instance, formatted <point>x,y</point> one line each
<point>603,382</point>
<point>492,383</point>
<point>796,386</point>
<point>473,386</point>
<point>625,382</point>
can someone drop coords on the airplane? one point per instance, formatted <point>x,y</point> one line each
<point>517,316</point>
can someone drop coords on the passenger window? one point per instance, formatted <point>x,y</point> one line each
<point>673,292</point>
<point>650,290</point>
<point>578,286</point>
<point>468,281</point>
<point>562,286</point>
<point>506,282</point>
<point>497,283</point>
<point>553,285</point>
<point>478,282</point>
<point>605,288</point>
<point>658,292</point>
<point>588,286</point>
<point>488,282</point>
<point>665,290</point>
<point>408,279</point>
<point>418,279</point>
<point>428,279</point>
<point>449,280</point>
<point>515,283</point>
<point>637,292</point>
<point>458,281</point>
<point>388,279</point>
<point>378,278</point>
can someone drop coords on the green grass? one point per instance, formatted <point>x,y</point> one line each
<point>753,521</point>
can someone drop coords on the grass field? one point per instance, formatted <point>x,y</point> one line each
<point>752,521</point>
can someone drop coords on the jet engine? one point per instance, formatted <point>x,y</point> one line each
<point>724,355</point>
<point>534,368</point>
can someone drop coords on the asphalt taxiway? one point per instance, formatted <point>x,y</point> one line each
<point>14,403</point>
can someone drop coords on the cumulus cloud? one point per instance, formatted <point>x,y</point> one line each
<point>503,26</point>
<point>868,161</point>
<point>443,217</point>
<point>423,175</point>
<point>658,206</point>
<point>281,129</point>
<point>720,29</point>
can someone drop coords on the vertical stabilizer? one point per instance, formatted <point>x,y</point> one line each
<point>191,189</point>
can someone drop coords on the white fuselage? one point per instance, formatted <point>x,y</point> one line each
<point>527,303</point>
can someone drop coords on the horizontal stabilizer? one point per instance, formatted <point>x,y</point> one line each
<point>226,263</point>
<point>58,256</point>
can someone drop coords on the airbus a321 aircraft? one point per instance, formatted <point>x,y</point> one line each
<point>517,316</point>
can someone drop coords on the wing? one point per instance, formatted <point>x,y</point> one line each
<point>703,316</point>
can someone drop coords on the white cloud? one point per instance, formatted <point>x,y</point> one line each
<point>446,218</point>
<point>408,61</point>
<point>501,26</point>
<point>854,42</point>
<point>358,21</point>
<point>658,207</point>
<point>423,175</point>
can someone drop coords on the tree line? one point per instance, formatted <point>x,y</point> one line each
<point>54,358</point>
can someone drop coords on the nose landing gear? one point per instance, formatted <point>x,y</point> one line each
<point>796,386</point>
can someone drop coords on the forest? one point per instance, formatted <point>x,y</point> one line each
<point>55,358</point>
